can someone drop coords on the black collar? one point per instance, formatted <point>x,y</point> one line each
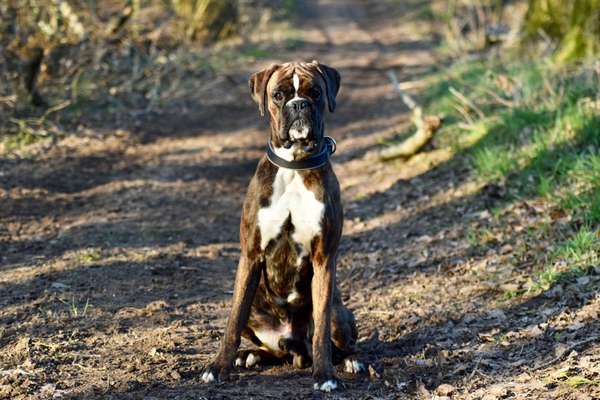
<point>312,162</point>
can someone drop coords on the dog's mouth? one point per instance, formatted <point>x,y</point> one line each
<point>300,136</point>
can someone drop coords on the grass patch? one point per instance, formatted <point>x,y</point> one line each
<point>89,256</point>
<point>575,381</point>
<point>533,128</point>
<point>76,310</point>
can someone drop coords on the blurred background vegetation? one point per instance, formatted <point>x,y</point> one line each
<point>521,106</point>
<point>64,58</point>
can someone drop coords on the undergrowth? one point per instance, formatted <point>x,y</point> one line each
<point>533,129</point>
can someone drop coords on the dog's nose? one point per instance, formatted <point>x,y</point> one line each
<point>300,105</point>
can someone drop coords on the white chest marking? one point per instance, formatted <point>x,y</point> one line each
<point>286,154</point>
<point>291,198</point>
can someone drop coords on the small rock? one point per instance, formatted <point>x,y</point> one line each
<point>560,349</point>
<point>532,331</point>
<point>554,293</point>
<point>175,375</point>
<point>423,363</point>
<point>469,318</point>
<point>510,287</point>
<point>575,326</point>
<point>373,373</point>
<point>498,392</point>
<point>583,280</point>
<point>445,389</point>
<point>496,314</point>
<point>59,286</point>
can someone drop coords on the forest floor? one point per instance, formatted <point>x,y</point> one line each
<point>118,250</point>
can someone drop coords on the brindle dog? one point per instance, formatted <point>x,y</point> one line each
<point>285,298</point>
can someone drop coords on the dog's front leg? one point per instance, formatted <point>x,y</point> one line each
<point>322,295</point>
<point>246,282</point>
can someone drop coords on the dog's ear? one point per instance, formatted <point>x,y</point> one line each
<point>332,83</point>
<point>258,86</point>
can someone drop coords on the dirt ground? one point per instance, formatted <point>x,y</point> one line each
<point>118,251</point>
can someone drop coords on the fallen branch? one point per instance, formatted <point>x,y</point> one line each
<point>426,127</point>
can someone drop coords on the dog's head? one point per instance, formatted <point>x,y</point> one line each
<point>295,95</point>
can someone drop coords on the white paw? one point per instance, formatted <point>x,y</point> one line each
<point>252,360</point>
<point>208,377</point>
<point>238,362</point>
<point>327,386</point>
<point>354,366</point>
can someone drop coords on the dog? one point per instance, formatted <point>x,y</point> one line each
<point>285,297</point>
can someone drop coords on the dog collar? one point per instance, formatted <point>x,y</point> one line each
<point>312,162</point>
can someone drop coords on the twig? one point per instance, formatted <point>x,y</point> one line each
<point>499,99</point>
<point>383,312</point>
<point>463,99</point>
<point>406,98</point>
<point>476,368</point>
<point>567,351</point>
<point>464,113</point>
<point>10,100</point>
<point>426,126</point>
<point>55,108</point>
<point>18,370</point>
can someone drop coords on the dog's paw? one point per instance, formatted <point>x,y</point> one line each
<point>208,376</point>
<point>326,386</point>
<point>214,373</point>
<point>353,366</point>
<point>247,359</point>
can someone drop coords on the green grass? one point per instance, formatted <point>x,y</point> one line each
<point>74,309</point>
<point>89,256</point>
<point>534,128</point>
<point>255,52</point>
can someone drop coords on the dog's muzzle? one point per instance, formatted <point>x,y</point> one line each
<point>299,127</point>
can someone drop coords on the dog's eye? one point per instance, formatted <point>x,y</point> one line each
<point>316,93</point>
<point>278,96</point>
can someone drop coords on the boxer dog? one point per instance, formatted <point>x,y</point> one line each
<point>285,297</point>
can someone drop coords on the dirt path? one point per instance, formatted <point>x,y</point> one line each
<point>118,253</point>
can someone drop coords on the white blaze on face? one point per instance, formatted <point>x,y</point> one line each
<point>296,133</point>
<point>296,83</point>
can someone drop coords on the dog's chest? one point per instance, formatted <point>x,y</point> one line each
<point>291,199</point>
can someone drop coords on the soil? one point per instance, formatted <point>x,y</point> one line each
<point>118,251</point>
